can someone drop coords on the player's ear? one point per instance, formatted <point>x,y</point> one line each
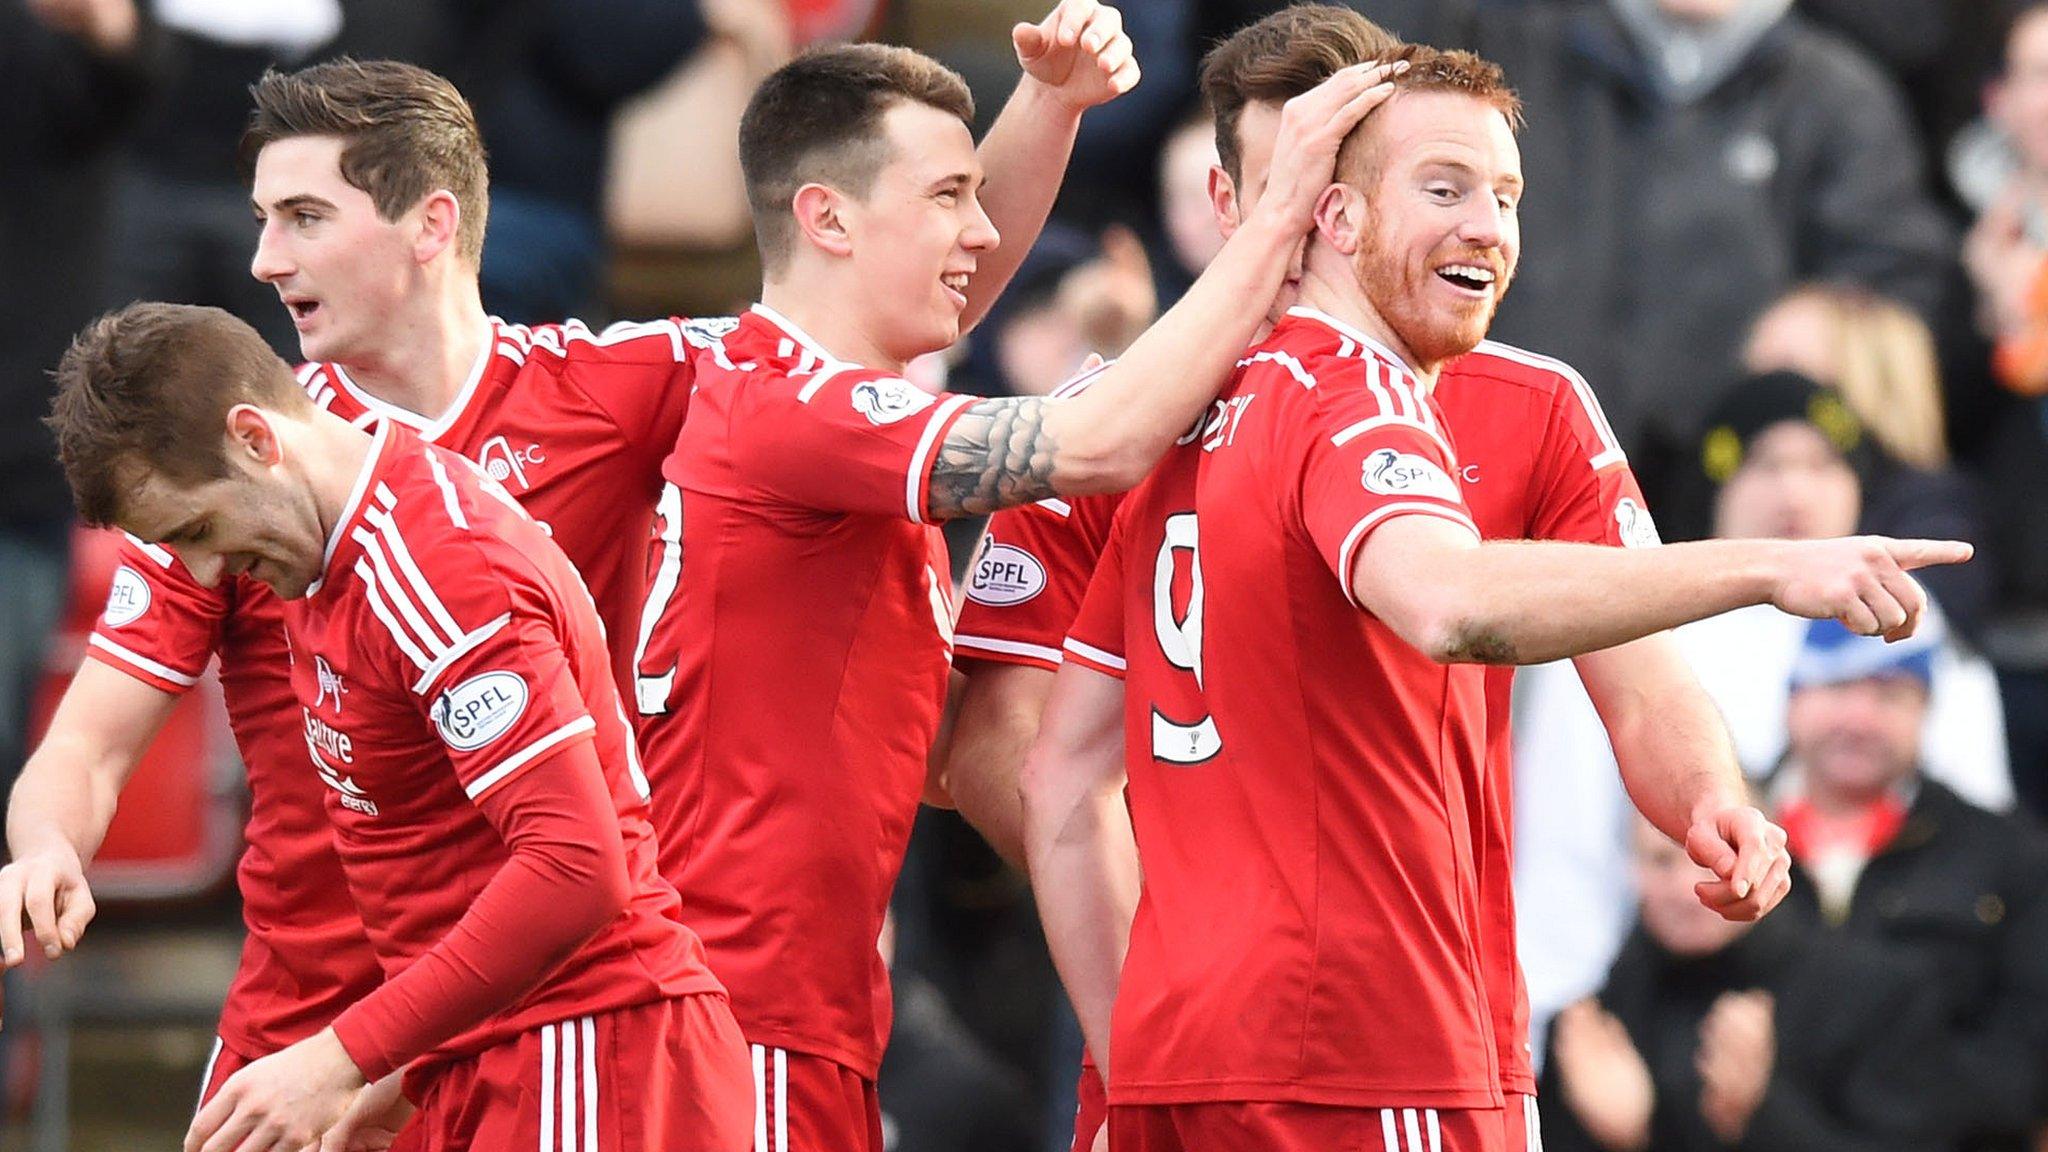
<point>440,218</point>
<point>252,438</point>
<point>821,215</point>
<point>1223,201</point>
<point>1341,218</point>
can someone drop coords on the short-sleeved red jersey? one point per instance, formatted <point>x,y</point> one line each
<point>1538,460</point>
<point>1303,782</point>
<point>574,423</point>
<point>791,676</point>
<point>447,648</point>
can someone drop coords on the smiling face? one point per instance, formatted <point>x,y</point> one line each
<point>255,522</point>
<point>1859,738</point>
<point>915,238</point>
<point>1440,177</point>
<point>345,273</point>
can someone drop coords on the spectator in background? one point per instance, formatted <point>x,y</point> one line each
<point>1880,356</point>
<point>1789,459</point>
<point>1700,157</point>
<point>1186,219</point>
<point>546,77</point>
<point>1888,855</point>
<point>1712,1034</point>
<point>71,73</point>
<point>2005,175</point>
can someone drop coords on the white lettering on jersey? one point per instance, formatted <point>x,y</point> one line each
<point>480,709</point>
<point>1180,640</point>
<point>887,400</point>
<point>1638,530</point>
<point>1224,417</point>
<point>128,599</point>
<point>325,740</point>
<point>329,684</point>
<point>506,464</point>
<point>1392,473</point>
<point>1003,575</point>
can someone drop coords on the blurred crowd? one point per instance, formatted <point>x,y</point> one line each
<point>1799,248</point>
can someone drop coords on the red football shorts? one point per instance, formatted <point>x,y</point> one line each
<point>667,1076</point>
<point>225,1062</point>
<point>1286,1127</point>
<point>1092,1114</point>
<point>803,1102</point>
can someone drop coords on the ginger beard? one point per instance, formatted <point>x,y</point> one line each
<point>1438,182</point>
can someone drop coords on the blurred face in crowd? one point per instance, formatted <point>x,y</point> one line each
<point>1792,484</point>
<point>2019,103</point>
<point>915,238</point>
<point>258,521</point>
<point>344,272</point>
<point>1698,11</point>
<point>1039,348</point>
<point>1431,187</point>
<point>1666,879</point>
<point>1797,334</point>
<point>1184,195</point>
<point>1858,738</point>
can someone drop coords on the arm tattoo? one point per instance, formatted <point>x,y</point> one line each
<point>997,455</point>
<point>1478,644</point>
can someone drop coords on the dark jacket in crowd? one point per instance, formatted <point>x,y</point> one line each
<point>1655,231</point>
<point>1965,893</point>
<point>1851,1023</point>
<point>60,107</point>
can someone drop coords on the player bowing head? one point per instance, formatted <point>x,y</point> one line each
<point>861,171</point>
<point>1422,214</point>
<point>183,443</point>
<point>371,193</point>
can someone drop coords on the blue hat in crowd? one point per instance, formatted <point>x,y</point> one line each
<point>1831,654</point>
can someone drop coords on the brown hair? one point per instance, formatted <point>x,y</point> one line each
<point>1431,70</point>
<point>818,120</point>
<point>147,389</point>
<point>406,133</point>
<point>1280,57</point>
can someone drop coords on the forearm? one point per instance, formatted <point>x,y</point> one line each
<point>1669,740</point>
<point>564,881</point>
<point>1084,875</point>
<point>68,790</point>
<point>1000,706</point>
<point>1516,602</point>
<point>1106,438</point>
<point>1023,158</point>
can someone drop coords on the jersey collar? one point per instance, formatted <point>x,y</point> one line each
<point>380,444</point>
<point>427,429</point>
<point>1350,332</point>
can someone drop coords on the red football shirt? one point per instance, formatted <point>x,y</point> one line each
<point>447,649</point>
<point>1538,461</point>
<point>791,676</point>
<point>1303,782</point>
<point>573,423</point>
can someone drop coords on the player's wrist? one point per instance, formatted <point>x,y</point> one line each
<point>1047,101</point>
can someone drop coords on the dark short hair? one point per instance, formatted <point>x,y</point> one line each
<point>147,389</point>
<point>818,120</point>
<point>406,133</point>
<point>1277,58</point>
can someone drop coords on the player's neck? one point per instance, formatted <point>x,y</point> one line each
<point>1343,297</point>
<point>834,326</point>
<point>425,358</point>
<point>332,458</point>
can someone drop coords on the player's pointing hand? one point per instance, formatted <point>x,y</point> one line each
<point>1861,581</point>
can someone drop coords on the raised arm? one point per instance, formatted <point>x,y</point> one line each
<point>1074,59</point>
<point>1515,602</point>
<point>1010,451</point>
<point>62,805</point>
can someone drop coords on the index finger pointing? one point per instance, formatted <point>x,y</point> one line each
<point>1911,554</point>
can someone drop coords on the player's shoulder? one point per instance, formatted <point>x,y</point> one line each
<point>667,340</point>
<point>1505,365</point>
